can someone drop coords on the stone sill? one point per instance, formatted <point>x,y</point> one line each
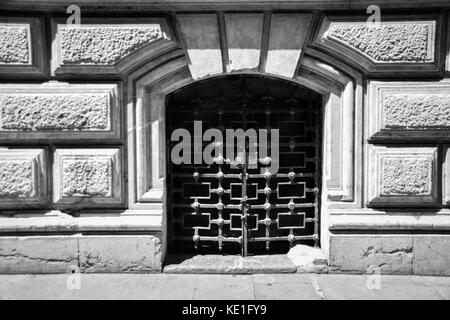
<point>63,223</point>
<point>407,221</point>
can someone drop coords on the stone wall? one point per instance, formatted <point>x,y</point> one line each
<point>88,254</point>
<point>392,254</point>
<point>82,127</point>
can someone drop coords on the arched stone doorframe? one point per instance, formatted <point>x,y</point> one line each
<point>147,87</point>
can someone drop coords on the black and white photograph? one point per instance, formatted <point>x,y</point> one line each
<point>237,152</point>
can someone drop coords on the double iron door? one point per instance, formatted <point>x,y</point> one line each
<point>246,209</point>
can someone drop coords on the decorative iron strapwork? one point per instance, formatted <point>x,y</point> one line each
<point>221,208</point>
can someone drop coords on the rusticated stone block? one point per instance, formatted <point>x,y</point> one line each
<point>17,178</point>
<point>22,47</point>
<point>416,111</point>
<point>104,44</point>
<point>87,177</point>
<point>411,42</point>
<point>54,112</point>
<point>108,46</point>
<point>125,254</point>
<point>55,109</point>
<point>402,176</point>
<point>22,178</point>
<point>397,45</point>
<point>409,109</point>
<point>15,43</point>
<point>358,253</point>
<point>406,176</point>
<point>38,254</point>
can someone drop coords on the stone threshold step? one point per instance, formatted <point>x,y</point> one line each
<point>231,264</point>
<point>301,259</point>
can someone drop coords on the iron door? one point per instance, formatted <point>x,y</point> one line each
<point>219,208</point>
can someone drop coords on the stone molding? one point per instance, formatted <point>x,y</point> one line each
<point>90,221</point>
<point>446,176</point>
<point>146,126</point>
<point>447,60</point>
<point>213,5</point>
<point>402,176</point>
<point>342,94</point>
<point>408,110</point>
<point>86,178</point>
<point>54,111</point>
<point>23,178</point>
<point>389,220</point>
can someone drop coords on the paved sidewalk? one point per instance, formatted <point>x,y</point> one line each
<point>189,286</point>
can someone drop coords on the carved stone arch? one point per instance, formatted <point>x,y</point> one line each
<point>339,85</point>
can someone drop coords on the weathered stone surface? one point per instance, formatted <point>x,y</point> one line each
<point>103,254</point>
<point>202,40</point>
<point>385,287</point>
<point>49,112</point>
<point>15,43</point>
<point>406,42</point>
<point>89,254</point>
<point>308,259</point>
<point>399,110</point>
<point>17,178</point>
<point>416,111</point>
<point>222,287</point>
<point>432,255</point>
<point>87,176</point>
<point>104,44</point>
<point>284,52</point>
<point>407,176</point>
<point>399,175</point>
<point>40,254</point>
<point>283,291</point>
<point>392,254</point>
<point>232,264</point>
<point>21,177</point>
<point>56,110</point>
<point>244,33</point>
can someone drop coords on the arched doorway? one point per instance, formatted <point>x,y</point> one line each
<point>220,208</point>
